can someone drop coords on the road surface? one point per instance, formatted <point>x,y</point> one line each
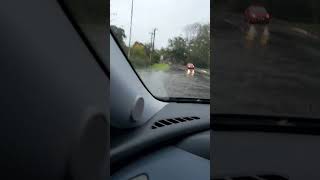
<point>264,69</point>
<point>176,83</point>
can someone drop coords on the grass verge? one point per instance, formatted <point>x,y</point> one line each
<point>160,67</point>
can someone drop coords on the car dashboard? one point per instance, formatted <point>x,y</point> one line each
<point>174,144</point>
<point>264,153</point>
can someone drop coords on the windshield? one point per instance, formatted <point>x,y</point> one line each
<point>267,66</point>
<point>168,44</point>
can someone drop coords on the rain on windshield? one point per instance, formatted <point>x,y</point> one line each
<point>168,44</point>
<point>266,62</point>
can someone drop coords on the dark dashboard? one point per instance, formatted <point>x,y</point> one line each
<point>247,151</point>
<point>174,144</point>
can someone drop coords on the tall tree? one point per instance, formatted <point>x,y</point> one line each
<point>119,33</point>
<point>138,55</point>
<point>199,45</point>
<point>178,49</point>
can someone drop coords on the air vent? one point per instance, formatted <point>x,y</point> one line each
<point>172,121</point>
<point>256,177</point>
<point>180,119</point>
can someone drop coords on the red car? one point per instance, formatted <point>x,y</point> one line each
<point>256,14</point>
<point>190,66</point>
<point>190,69</point>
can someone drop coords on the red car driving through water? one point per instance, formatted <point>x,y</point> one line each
<point>257,14</point>
<point>190,68</point>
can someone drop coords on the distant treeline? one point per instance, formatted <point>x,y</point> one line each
<point>193,47</point>
<point>307,11</point>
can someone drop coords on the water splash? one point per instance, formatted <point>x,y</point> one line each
<point>250,36</point>
<point>265,36</point>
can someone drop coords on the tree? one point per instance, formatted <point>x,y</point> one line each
<point>194,48</point>
<point>199,47</point>
<point>191,31</point>
<point>198,44</point>
<point>155,57</point>
<point>138,55</point>
<point>177,50</point>
<point>148,48</point>
<point>120,35</point>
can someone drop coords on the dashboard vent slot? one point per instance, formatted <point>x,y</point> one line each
<point>168,122</point>
<point>188,118</point>
<point>173,121</point>
<point>165,122</point>
<point>256,177</point>
<point>157,124</point>
<point>180,119</point>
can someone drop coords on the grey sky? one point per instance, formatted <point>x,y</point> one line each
<point>168,16</point>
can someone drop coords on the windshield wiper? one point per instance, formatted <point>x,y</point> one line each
<point>185,100</point>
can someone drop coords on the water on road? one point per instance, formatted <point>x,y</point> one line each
<point>176,83</point>
<point>264,69</point>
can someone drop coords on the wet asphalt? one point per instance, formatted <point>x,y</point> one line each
<point>264,69</point>
<point>176,82</point>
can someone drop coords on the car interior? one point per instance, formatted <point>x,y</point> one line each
<point>54,95</point>
<point>150,138</point>
<point>58,84</point>
<point>251,147</point>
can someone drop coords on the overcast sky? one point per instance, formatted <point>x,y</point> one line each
<point>168,16</point>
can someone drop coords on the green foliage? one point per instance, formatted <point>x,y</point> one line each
<point>160,67</point>
<point>138,56</point>
<point>177,50</point>
<point>148,48</point>
<point>155,57</point>
<point>120,35</point>
<point>194,48</point>
<point>199,47</point>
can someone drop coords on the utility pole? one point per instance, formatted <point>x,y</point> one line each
<point>130,28</point>
<point>153,36</point>
<point>151,44</point>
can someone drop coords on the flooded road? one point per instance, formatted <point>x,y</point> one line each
<point>176,82</point>
<point>264,69</point>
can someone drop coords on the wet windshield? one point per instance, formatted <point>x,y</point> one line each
<point>266,65</point>
<point>167,42</point>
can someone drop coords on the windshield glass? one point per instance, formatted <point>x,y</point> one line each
<point>267,66</point>
<point>168,44</point>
